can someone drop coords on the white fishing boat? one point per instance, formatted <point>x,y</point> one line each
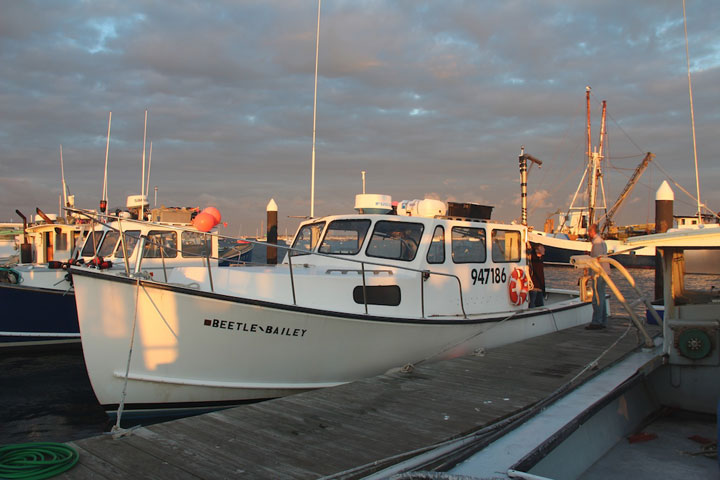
<point>38,293</point>
<point>358,295</point>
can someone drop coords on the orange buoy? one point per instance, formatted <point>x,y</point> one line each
<point>204,222</point>
<point>215,214</point>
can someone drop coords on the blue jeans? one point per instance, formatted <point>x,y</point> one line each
<point>536,298</point>
<point>599,303</point>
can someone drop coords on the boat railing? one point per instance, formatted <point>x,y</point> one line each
<point>423,275</point>
<point>144,239</point>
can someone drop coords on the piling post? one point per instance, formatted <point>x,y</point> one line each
<point>664,199</point>
<point>272,215</point>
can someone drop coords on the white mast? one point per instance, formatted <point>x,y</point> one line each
<point>104,197</point>
<point>312,180</point>
<point>142,181</point>
<point>147,185</point>
<point>692,116</point>
<point>62,177</point>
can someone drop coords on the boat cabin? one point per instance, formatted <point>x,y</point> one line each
<point>55,241</point>
<point>161,243</point>
<point>471,260</point>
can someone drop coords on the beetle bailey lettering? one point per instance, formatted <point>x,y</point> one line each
<point>255,328</point>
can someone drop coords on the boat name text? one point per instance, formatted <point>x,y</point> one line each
<point>484,276</point>
<point>255,328</point>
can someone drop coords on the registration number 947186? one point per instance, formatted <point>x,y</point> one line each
<point>486,276</point>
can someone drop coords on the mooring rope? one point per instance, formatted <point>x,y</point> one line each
<point>410,366</point>
<point>116,429</point>
<point>36,461</point>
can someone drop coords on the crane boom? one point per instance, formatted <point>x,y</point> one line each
<point>626,191</point>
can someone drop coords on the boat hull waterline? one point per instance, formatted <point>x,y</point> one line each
<point>194,348</point>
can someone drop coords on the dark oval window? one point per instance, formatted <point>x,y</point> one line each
<point>388,295</point>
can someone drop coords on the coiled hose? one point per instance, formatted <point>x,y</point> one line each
<point>36,460</point>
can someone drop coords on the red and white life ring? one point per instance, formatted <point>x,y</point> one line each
<point>518,286</point>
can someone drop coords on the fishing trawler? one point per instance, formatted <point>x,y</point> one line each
<point>568,235</point>
<point>357,295</point>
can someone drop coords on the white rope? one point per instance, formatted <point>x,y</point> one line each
<point>117,429</point>
<point>594,363</point>
<point>410,366</point>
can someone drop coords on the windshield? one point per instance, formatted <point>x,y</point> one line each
<point>130,238</point>
<point>92,243</point>
<point>307,238</point>
<point>395,240</point>
<point>345,237</point>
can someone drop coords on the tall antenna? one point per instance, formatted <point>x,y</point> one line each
<point>312,180</point>
<point>147,185</point>
<point>692,115</point>
<point>104,198</point>
<point>142,181</point>
<point>62,178</point>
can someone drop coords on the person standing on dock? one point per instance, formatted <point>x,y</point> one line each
<point>598,249</point>
<point>537,275</point>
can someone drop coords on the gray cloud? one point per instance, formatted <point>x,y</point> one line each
<point>430,98</point>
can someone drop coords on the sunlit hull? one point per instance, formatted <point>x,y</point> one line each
<point>197,349</point>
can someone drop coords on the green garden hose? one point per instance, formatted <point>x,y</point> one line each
<point>35,461</point>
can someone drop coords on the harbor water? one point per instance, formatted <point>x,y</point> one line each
<point>46,396</point>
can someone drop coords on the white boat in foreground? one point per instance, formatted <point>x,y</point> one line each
<point>358,295</point>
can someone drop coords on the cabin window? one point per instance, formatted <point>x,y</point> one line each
<point>78,238</point>
<point>108,243</point>
<point>161,245</point>
<point>195,244</point>
<point>130,237</point>
<point>395,240</point>
<point>92,243</point>
<point>344,237</point>
<point>436,253</point>
<point>61,241</point>
<point>307,238</point>
<point>388,295</point>
<point>468,245</point>
<point>505,246</point>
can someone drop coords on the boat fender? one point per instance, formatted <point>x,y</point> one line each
<point>100,263</point>
<point>54,264</point>
<point>519,286</point>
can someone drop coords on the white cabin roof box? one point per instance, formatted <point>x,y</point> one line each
<point>372,203</point>
<point>137,201</point>
<point>427,207</point>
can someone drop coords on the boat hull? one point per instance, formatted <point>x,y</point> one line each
<point>194,349</point>
<point>559,250</point>
<point>37,317</point>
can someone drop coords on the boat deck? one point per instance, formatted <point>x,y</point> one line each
<point>333,431</point>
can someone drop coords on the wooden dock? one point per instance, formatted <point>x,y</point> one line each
<point>330,431</point>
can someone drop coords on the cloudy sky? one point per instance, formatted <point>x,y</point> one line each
<point>431,99</point>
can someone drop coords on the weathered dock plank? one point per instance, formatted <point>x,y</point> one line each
<point>328,431</point>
